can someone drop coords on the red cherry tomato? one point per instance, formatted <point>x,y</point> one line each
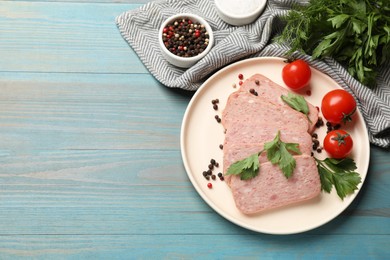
<point>296,74</point>
<point>338,106</point>
<point>338,144</point>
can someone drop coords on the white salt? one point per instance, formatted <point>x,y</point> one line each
<point>239,7</point>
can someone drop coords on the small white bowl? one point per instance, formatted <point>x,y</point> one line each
<point>184,62</point>
<point>239,12</point>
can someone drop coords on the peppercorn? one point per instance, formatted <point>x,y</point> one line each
<point>209,185</point>
<point>221,146</point>
<point>253,91</point>
<point>186,38</point>
<point>240,76</point>
<point>218,118</point>
<point>257,82</point>
<point>320,122</point>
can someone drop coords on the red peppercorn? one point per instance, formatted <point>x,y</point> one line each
<point>209,185</point>
<point>240,76</point>
<point>308,92</point>
<point>240,83</point>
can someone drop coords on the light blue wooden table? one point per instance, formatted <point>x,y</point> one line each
<point>90,163</point>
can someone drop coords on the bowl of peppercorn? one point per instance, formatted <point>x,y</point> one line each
<point>185,39</point>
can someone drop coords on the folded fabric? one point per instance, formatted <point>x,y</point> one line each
<point>139,28</point>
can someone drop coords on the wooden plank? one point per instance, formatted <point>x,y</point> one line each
<point>135,192</point>
<point>250,246</point>
<point>88,111</point>
<point>64,37</point>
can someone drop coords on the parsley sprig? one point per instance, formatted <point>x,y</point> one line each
<point>356,33</point>
<point>278,152</point>
<point>339,173</point>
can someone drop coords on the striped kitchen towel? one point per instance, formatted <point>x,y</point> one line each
<point>139,28</point>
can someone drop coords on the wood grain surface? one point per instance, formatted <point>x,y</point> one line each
<point>90,162</point>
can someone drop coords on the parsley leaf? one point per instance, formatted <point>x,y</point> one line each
<point>296,102</point>
<point>287,162</point>
<point>279,152</point>
<point>339,173</point>
<point>247,168</point>
<point>346,182</point>
<point>326,179</point>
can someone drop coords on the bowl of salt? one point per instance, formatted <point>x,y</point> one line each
<point>239,12</point>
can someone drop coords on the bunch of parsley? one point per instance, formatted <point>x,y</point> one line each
<point>356,33</point>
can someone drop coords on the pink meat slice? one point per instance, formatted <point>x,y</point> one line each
<point>243,108</point>
<point>271,91</point>
<point>271,189</point>
<point>263,133</point>
<point>252,120</point>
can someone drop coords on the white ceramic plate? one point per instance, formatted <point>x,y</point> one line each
<point>201,136</point>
